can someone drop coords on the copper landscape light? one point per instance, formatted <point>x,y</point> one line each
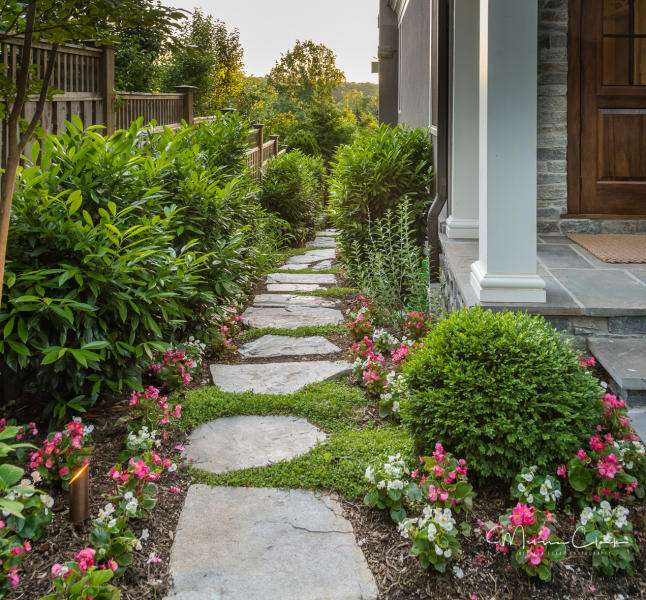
<point>80,495</point>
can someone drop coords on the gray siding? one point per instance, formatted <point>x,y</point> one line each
<point>415,64</point>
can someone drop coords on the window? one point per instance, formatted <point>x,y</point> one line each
<point>624,42</point>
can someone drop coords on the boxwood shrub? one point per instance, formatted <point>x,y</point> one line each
<point>503,390</point>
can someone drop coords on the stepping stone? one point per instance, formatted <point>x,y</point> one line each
<point>293,267</point>
<point>269,346</point>
<point>302,278</point>
<point>291,317</point>
<point>327,233</point>
<point>241,543</point>
<point>322,266</point>
<point>275,378</point>
<point>237,443</point>
<point>323,242</point>
<point>638,420</point>
<point>292,300</point>
<point>293,287</point>
<point>312,256</point>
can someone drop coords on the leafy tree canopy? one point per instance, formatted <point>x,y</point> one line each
<point>209,57</point>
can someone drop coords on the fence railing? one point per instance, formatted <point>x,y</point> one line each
<point>85,78</point>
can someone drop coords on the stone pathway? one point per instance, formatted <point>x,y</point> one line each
<point>241,543</point>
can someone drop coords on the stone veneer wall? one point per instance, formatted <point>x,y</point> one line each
<point>552,131</point>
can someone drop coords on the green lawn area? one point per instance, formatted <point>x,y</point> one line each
<point>336,465</point>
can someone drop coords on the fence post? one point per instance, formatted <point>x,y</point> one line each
<point>274,138</point>
<point>259,127</point>
<point>106,75</point>
<point>188,91</point>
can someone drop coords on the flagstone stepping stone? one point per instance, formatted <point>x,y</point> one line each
<point>241,543</point>
<point>290,317</point>
<point>242,442</point>
<point>327,233</point>
<point>275,378</point>
<point>322,266</point>
<point>293,287</point>
<point>269,346</point>
<point>312,256</point>
<point>292,300</point>
<point>323,242</point>
<point>302,278</point>
<point>294,267</point>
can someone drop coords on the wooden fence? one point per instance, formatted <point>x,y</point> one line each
<point>85,77</point>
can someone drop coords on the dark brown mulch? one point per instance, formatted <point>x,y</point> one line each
<point>61,541</point>
<point>487,574</point>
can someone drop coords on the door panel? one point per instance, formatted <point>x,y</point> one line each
<point>613,107</point>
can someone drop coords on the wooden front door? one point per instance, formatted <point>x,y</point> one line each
<point>612,63</point>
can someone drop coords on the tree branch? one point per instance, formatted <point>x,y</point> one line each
<point>22,76</point>
<point>41,99</point>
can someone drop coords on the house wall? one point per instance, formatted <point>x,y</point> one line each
<point>415,59</point>
<point>552,131</point>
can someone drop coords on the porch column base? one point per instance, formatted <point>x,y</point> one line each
<point>507,287</point>
<point>462,229</point>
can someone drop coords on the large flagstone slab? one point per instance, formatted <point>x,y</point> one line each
<point>302,278</point>
<point>242,442</point>
<point>328,233</point>
<point>292,300</point>
<point>322,266</point>
<point>279,288</point>
<point>311,257</point>
<point>275,378</point>
<point>323,242</point>
<point>291,317</point>
<point>244,543</point>
<point>271,346</point>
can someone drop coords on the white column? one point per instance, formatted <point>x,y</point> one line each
<point>506,269</point>
<point>463,220</point>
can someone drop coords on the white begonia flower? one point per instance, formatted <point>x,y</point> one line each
<point>403,528</point>
<point>369,474</point>
<point>544,491</point>
<point>530,498</point>
<point>438,550</point>
<point>445,519</point>
<point>128,495</point>
<point>528,477</point>
<point>172,468</point>
<point>604,505</point>
<point>521,487</point>
<point>138,546</point>
<point>381,485</point>
<point>557,494</point>
<point>47,500</point>
<point>447,553</point>
<point>586,515</point>
<point>608,539</point>
<point>89,429</point>
<point>548,483</point>
<point>432,531</point>
<point>145,534</point>
<point>396,406</point>
<point>112,523</point>
<point>396,484</point>
<point>458,572</point>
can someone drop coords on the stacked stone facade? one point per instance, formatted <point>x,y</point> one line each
<point>552,131</point>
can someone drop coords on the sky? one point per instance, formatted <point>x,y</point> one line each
<point>268,28</point>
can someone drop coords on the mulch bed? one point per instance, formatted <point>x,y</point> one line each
<point>61,541</point>
<point>487,574</point>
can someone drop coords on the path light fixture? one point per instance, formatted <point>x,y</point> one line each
<point>80,495</point>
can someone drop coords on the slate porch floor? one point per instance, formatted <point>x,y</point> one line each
<point>578,283</point>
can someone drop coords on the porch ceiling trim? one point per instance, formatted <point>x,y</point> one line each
<point>399,6</point>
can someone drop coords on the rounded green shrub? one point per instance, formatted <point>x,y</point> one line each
<point>502,390</point>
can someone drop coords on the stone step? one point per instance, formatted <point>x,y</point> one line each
<point>276,378</point>
<point>323,242</point>
<point>625,360</point>
<point>242,442</point>
<point>282,288</point>
<point>328,233</point>
<point>311,257</point>
<point>272,346</point>
<point>292,300</point>
<point>291,317</point>
<point>242,543</point>
<point>302,278</point>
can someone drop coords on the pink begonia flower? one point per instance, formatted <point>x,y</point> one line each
<point>522,515</point>
<point>13,576</point>
<point>535,555</point>
<point>473,597</point>
<point>2,524</point>
<point>63,471</point>
<point>56,569</point>
<point>85,558</point>
<point>581,455</point>
<point>544,533</point>
<point>174,489</point>
<point>27,545</point>
<point>113,564</point>
<point>562,471</point>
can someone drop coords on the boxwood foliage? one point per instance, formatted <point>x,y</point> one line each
<point>503,390</point>
<point>293,187</point>
<point>373,173</point>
